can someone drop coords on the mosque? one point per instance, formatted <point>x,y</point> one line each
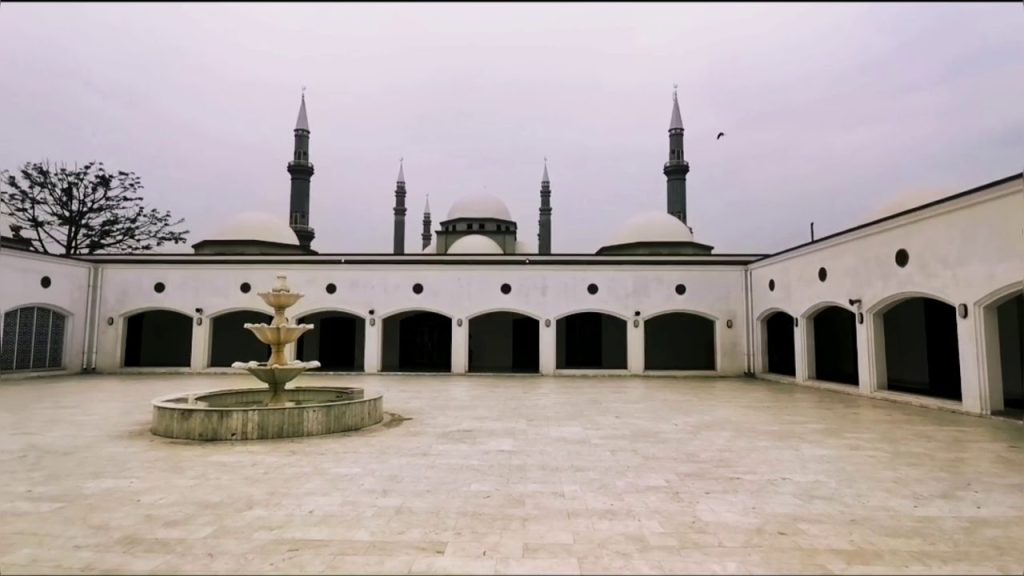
<point>924,305</point>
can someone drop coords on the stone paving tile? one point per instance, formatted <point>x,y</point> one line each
<point>512,475</point>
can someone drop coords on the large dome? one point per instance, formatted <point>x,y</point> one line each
<point>475,244</point>
<point>256,226</point>
<point>652,227</point>
<point>479,206</point>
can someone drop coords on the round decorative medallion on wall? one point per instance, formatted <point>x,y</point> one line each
<point>245,287</point>
<point>159,287</point>
<point>680,289</point>
<point>771,285</point>
<point>547,323</point>
<point>506,289</point>
<point>728,323</point>
<point>822,274</point>
<point>331,288</point>
<point>902,258</point>
<point>45,282</point>
<point>592,289</point>
<point>417,288</point>
<point>459,322</point>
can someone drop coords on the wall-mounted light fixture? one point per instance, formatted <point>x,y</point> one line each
<point>199,321</point>
<point>547,323</point>
<point>110,321</point>
<point>636,323</point>
<point>373,321</point>
<point>961,310</point>
<point>860,317</point>
<point>854,301</point>
<point>796,322</point>
<point>728,323</point>
<point>199,311</point>
<point>459,322</point>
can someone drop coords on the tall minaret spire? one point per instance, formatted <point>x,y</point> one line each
<point>301,170</point>
<point>426,236</point>
<point>544,227</point>
<point>400,209</point>
<point>677,167</point>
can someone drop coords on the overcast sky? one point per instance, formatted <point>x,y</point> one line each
<point>832,111</point>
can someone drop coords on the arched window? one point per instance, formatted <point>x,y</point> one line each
<point>33,339</point>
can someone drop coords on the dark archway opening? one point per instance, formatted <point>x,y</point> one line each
<point>922,355</point>
<point>835,345</point>
<point>231,342</point>
<point>33,339</point>
<point>337,341</point>
<point>679,341</point>
<point>504,342</point>
<point>780,344</point>
<point>158,338</point>
<point>1010,324</point>
<point>417,342</point>
<point>591,340</point>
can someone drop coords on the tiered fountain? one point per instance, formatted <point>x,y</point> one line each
<point>256,413</point>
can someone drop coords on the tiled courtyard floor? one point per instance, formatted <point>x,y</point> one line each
<point>519,475</point>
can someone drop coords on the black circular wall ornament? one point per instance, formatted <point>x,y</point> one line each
<point>245,287</point>
<point>680,289</point>
<point>331,288</point>
<point>592,289</point>
<point>417,288</point>
<point>45,282</point>
<point>159,287</point>
<point>902,258</point>
<point>771,285</point>
<point>822,274</point>
<point>506,288</point>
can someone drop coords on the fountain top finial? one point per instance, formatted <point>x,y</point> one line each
<point>282,284</point>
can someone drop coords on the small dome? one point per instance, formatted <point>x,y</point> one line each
<point>256,226</point>
<point>652,227</point>
<point>479,206</point>
<point>475,244</point>
<point>524,247</point>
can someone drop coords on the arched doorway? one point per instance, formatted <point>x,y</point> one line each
<point>417,341</point>
<point>922,354</point>
<point>1004,338</point>
<point>504,342</point>
<point>835,346</point>
<point>779,344</point>
<point>33,339</point>
<point>231,342</point>
<point>679,341</point>
<point>158,338</point>
<point>590,340</point>
<point>336,341</point>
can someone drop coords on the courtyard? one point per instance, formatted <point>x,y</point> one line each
<point>512,475</point>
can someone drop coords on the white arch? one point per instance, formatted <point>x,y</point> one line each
<point>768,312</point>
<point>884,304</point>
<point>414,309</point>
<point>226,311</point>
<point>814,309</point>
<point>53,307</point>
<point>597,310</point>
<point>689,312</point>
<point>144,309</point>
<point>989,348</point>
<point>508,310</point>
<point>1001,294</point>
<point>807,338</point>
<point>324,309</point>
<point>705,315</point>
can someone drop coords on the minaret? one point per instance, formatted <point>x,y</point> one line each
<point>426,236</point>
<point>544,228</point>
<point>400,210</point>
<point>676,168</point>
<point>301,170</point>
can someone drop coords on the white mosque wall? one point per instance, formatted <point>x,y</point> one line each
<point>965,251</point>
<point>21,285</point>
<point>546,292</point>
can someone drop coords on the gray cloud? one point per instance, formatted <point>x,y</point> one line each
<point>831,111</point>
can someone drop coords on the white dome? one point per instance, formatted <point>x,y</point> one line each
<point>479,206</point>
<point>256,226</point>
<point>524,247</point>
<point>475,244</point>
<point>430,249</point>
<point>652,227</point>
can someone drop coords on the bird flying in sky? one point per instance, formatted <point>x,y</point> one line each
<point>720,134</point>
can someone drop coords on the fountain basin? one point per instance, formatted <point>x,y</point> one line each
<point>276,375</point>
<point>277,335</point>
<point>240,414</point>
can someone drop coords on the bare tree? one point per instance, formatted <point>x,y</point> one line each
<point>83,210</point>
